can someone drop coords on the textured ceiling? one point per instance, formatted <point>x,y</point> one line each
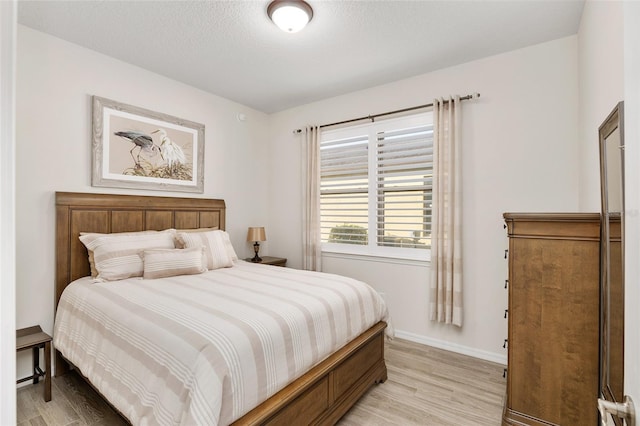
<point>232,49</point>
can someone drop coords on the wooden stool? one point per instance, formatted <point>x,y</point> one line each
<point>34,338</point>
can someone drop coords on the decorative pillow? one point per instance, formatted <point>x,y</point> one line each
<point>215,251</point>
<point>118,256</point>
<point>93,235</point>
<point>161,263</point>
<point>180,243</point>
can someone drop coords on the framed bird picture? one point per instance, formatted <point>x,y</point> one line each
<point>137,148</point>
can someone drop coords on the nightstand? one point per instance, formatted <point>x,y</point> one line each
<point>268,260</point>
<point>34,338</point>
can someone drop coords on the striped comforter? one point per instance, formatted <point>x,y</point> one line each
<point>206,349</point>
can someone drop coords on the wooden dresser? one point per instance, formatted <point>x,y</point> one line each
<point>552,376</point>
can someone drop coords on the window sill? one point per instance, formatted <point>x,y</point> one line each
<point>397,260</point>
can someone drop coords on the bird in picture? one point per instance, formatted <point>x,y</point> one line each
<point>142,141</point>
<point>170,151</point>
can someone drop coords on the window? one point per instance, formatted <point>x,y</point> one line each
<point>375,187</point>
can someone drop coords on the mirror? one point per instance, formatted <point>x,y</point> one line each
<point>611,136</point>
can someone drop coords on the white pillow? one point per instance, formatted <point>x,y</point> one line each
<point>215,251</point>
<point>161,263</point>
<point>227,244</point>
<point>118,256</point>
<point>180,243</point>
<point>90,236</point>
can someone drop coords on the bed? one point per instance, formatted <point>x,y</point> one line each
<point>320,394</point>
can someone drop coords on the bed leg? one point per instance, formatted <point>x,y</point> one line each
<point>383,375</point>
<point>61,365</point>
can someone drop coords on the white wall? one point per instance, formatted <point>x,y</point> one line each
<point>601,86</point>
<point>520,154</point>
<point>55,81</point>
<point>8,37</point>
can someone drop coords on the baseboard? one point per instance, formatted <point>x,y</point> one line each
<point>453,347</point>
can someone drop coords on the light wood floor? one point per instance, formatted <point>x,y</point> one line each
<point>426,386</point>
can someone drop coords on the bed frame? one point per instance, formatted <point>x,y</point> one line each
<point>321,396</point>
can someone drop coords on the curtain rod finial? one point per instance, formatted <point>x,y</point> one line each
<point>475,95</point>
<point>296,131</point>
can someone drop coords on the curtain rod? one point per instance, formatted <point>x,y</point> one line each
<point>382,114</point>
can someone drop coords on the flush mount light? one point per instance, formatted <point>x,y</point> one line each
<point>290,15</point>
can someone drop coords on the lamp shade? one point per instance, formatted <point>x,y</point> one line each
<point>256,234</point>
<point>290,15</point>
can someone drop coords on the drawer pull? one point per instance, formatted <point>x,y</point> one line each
<point>505,253</point>
<point>506,283</point>
<point>504,345</point>
<point>506,311</point>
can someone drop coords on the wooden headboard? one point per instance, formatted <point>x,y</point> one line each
<point>107,213</point>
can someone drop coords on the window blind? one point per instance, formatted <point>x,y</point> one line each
<point>404,175</point>
<point>344,190</point>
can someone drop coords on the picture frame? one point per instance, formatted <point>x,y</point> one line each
<point>137,148</point>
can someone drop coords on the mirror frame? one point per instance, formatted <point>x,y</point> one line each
<point>615,121</point>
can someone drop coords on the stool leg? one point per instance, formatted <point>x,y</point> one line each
<point>36,364</point>
<point>47,376</point>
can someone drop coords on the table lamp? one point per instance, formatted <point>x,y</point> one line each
<point>256,234</point>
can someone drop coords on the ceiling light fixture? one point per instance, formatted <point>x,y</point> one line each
<point>290,15</point>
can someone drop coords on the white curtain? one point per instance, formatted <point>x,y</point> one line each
<point>446,227</point>
<point>311,249</point>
